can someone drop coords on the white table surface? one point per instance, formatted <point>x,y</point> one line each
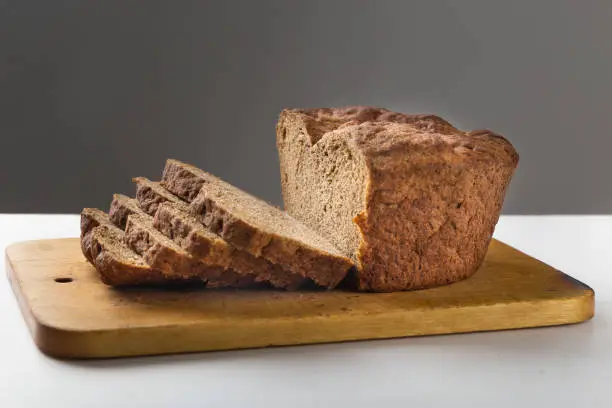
<point>567,366</point>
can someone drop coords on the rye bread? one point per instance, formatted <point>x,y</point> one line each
<point>103,246</point>
<point>164,254</point>
<point>185,229</point>
<point>121,207</point>
<point>173,220</point>
<point>412,200</point>
<point>90,219</point>
<point>254,226</point>
<point>151,194</point>
<point>161,252</point>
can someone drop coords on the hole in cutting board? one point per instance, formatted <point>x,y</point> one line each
<point>63,280</point>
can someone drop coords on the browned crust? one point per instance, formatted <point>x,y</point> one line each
<point>317,122</point>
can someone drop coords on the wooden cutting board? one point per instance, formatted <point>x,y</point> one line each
<point>71,314</point>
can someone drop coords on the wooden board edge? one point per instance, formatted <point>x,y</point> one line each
<point>32,323</point>
<point>70,344</point>
<point>66,344</point>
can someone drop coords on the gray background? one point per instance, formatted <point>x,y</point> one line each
<point>95,92</point>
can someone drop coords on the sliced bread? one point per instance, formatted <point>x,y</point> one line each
<point>151,194</point>
<point>173,220</point>
<point>121,207</point>
<point>90,219</point>
<point>255,226</point>
<point>190,234</point>
<point>164,254</point>
<point>117,264</point>
<point>161,252</point>
<point>184,180</point>
<point>102,244</point>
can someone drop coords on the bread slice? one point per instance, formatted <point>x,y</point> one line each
<point>410,198</point>
<point>185,229</point>
<point>252,225</point>
<point>120,266</point>
<point>151,194</point>
<point>184,180</point>
<point>121,207</point>
<point>173,220</point>
<point>103,246</point>
<point>90,219</point>
<point>163,253</point>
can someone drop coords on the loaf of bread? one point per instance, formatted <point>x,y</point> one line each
<point>256,227</point>
<point>412,200</point>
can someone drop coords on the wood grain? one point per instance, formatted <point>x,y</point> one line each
<point>84,318</point>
